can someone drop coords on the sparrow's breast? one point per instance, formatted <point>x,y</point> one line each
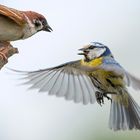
<point>9,30</point>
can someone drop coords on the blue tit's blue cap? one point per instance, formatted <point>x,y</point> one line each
<point>97,44</point>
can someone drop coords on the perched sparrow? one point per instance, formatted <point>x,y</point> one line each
<point>95,77</point>
<point>16,25</point>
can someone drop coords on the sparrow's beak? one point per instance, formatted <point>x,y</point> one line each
<point>47,28</point>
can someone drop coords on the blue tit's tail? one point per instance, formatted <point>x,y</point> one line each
<point>124,113</point>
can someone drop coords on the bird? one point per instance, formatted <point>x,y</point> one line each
<point>94,78</point>
<point>17,25</point>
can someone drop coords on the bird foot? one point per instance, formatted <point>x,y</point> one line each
<point>105,95</point>
<point>4,57</point>
<point>3,47</point>
<point>100,97</point>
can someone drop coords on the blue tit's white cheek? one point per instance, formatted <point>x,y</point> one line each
<point>99,51</point>
<point>95,53</point>
<point>91,54</point>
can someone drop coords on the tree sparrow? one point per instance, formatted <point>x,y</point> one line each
<point>16,25</point>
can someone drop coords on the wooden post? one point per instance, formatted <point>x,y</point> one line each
<point>7,51</point>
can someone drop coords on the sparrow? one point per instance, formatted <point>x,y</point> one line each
<point>17,25</point>
<point>92,79</point>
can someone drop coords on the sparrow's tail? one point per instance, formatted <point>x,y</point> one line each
<point>124,113</point>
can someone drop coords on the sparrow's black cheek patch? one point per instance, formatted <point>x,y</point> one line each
<point>37,23</point>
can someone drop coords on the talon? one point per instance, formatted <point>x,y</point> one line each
<point>4,57</point>
<point>105,95</point>
<point>99,98</point>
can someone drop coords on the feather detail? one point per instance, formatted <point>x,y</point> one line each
<point>124,113</point>
<point>66,80</point>
<point>132,81</point>
<point>13,14</point>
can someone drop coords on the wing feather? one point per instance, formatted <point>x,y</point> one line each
<point>71,88</point>
<point>90,88</point>
<point>78,93</point>
<point>13,14</point>
<point>86,96</point>
<point>64,85</point>
<point>110,64</point>
<point>67,80</point>
<point>57,84</point>
<point>37,80</point>
<point>49,81</point>
<point>133,81</point>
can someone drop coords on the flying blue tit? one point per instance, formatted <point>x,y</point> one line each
<point>95,77</point>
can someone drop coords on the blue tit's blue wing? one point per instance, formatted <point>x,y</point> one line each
<point>133,81</point>
<point>64,80</point>
<point>111,64</point>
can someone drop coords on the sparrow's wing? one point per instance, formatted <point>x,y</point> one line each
<point>66,80</point>
<point>13,14</point>
<point>110,64</point>
<point>4,44</point>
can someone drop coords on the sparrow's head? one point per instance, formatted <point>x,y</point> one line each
<point>95,50</point>
<point>37,21</point>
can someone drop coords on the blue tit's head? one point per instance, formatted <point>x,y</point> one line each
<point>95,50</point>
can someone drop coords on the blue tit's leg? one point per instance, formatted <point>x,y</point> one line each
<point>105,95</point>
<point>99,97</point>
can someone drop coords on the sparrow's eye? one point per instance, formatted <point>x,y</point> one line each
<point>44,22</point>
<point>37,23</point>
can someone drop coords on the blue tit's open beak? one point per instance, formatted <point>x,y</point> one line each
<point>81,53</point>
<point>84,51</point>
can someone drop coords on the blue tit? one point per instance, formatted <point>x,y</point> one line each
<point>95,77</point>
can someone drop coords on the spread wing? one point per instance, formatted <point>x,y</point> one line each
<point>66,80</point>
<point>133,81</point>
<point>13,14</point>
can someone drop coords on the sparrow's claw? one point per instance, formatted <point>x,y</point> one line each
<point>4,57</point>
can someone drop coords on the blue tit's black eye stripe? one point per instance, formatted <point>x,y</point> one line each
<point>91,47</point>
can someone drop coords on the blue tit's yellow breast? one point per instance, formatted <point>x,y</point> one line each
<point>93,63</point>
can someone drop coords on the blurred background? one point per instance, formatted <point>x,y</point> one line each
<point>28,115</point>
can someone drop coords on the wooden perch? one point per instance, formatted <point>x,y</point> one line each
<point>6,51</point>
